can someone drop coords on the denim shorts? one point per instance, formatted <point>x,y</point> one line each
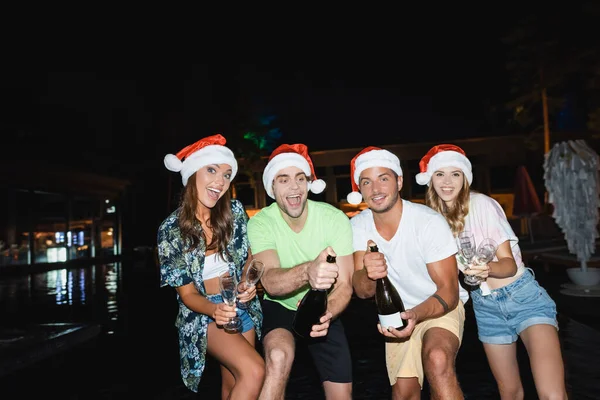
<point>506,312</point>
<point>247,323</point>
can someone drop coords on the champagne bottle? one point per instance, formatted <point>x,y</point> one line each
<point>312,307</point>
<point>389,304</point>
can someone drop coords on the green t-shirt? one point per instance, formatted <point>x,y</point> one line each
<point>325,226</point>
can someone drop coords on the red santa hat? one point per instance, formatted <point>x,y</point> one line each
<point>370,157</point>
<point>441,156</point>
<point>210,150</point>
<point>291,155</point>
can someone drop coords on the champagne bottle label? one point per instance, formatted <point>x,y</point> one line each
<point>392,320</point>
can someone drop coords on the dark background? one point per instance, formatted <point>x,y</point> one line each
<point>118,96</point>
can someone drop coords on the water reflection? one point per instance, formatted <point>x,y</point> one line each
<point>96,294</point>
<point>88,294</point>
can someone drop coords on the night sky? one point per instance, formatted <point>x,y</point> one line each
<point>117,104</point>
<point>418,73</point>
<point>390,82</point>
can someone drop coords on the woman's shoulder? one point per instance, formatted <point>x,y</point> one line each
<point>482,200</point>
<point>237,206</point>
<point>171,222</point>
<point>485,203</point>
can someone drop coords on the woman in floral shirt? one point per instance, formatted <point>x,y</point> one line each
<point>204,238</point>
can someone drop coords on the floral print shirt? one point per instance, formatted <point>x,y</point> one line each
<point>179,267</point>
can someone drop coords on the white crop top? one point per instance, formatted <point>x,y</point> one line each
<point>214,266</point>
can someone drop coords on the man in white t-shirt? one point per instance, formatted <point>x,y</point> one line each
<point>417,253</point>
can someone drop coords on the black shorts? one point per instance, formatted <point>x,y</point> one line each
<point>331,354</point>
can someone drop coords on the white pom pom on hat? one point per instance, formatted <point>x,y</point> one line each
<point>291,155</point>
<point>209,150</point>
<point>317,186</point>
<point>370,157</point>
<point>173,163</point>
<point>354,198</point>
<point>442,156</point>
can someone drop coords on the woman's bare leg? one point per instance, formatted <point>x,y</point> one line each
<point>503,363</point>
<point>545,358</point>
<point>239,357</point>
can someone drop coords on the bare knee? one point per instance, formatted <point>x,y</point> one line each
<point>552,395</point>
<point>257,374</point>
<point>279,359</point>
<point>511,391</point>
<point>438,362</point>
<point>254,378</point>
<point>406,389</point>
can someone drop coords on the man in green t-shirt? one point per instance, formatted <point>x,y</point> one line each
<point>293,237</point>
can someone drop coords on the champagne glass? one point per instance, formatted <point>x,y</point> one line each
<point>485,254</point>
<point>228,285</point>
<point>485,251</point>
<point>466,244</point>
<point>253,274</point>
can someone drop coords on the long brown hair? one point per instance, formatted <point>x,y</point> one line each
<point>456,214</point>
<point>221,220</point>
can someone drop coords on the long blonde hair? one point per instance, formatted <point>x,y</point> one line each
<point>457,213</point>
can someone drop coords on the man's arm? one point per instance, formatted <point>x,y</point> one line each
<point>368,267</point>
<point>363,285</point>
<point>445,299</point>
<point>340,295</point>
<point>279,281</point>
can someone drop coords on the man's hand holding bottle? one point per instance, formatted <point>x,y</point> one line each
<point>322,274</point>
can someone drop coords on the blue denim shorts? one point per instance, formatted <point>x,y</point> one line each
<point>247,323</point>
<point>506,312</point>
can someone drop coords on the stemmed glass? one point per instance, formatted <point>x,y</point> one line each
<point>253,274</point>
<point>485,253</point>
<point>229,292</point>
<point>480,255</point>
<point>466,244</point>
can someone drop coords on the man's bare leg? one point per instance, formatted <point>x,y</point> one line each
<point>440,347</point>
<point>337,391</point>
<point>279,348</point>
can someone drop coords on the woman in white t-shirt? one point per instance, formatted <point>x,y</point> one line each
<point>509,303</point>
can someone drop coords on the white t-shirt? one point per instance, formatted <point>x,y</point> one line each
<point>486,219</point>
<point>423,237</point>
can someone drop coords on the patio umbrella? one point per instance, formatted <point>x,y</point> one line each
<point>571,178</point>
<point>526,203</point>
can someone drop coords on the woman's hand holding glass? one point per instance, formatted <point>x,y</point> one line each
<point>223,314</point>
<point>229,291</point>
<point>479,269</point>
<point>476,273</point>
<point>247,288</point>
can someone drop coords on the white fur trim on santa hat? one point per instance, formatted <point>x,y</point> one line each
<point>212,154</point>
<point>354,198</point>
<point>173,163</point>
<point>445,159</point>
<point>317,186</point>
<point>285,160</point>
<point>373,158</point>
